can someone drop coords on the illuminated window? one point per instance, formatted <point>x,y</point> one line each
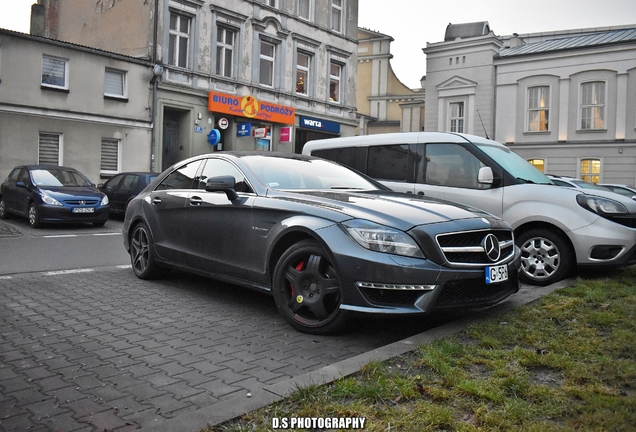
<point>303,63</point>
<point>591,170</point>
<point>538,109</point>
<point>335,74</point>
<point>538,164</point>
<point>593,105</point>
<point>456,117</point>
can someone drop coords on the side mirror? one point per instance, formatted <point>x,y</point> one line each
<point>222,184</point>
<point>20,184</point>
<point>485,176</point>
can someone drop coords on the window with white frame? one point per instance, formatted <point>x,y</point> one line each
<point>115,83</point>
<point>304,9</point>
<point>110,155</point>
<point>54,72</point>
<point>335,77</point>
<point>267,61</point>
<point>456,117</point>
<point>50,148</point>
<point>179,43</point>
<point>538,109</point>
<point>225,41</point>
<point>538,164</point>
<point>593,105</point>
<point>271,3</point>
<point>336,15</point>
<point>303,64</point>
<point>591,170</point>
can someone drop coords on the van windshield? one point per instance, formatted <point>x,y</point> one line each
<point>513,163</point>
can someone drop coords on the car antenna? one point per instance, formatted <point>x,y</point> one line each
<point>482,124</point>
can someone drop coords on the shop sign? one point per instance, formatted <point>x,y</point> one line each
<point>260,132</point>
<point>285,134</point>
<point>244,130</point>
<point>223,123</point>
<point>214,137</point>
<point>250,107</point>
<point>323,125</point>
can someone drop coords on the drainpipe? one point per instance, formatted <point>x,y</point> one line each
<point>156,73</point>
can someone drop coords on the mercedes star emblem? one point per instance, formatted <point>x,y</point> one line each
<point>491,247</point>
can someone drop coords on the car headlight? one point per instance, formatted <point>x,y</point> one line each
<point>601,206</point>
<point>50,200</point>
<point>105,200</point>
<point>381,238</point>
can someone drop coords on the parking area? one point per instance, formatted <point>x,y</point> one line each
<point>98,349</point>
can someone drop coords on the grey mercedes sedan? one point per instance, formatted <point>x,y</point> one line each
<point>324,240</point>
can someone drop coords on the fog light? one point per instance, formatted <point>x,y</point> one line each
<point>605,252</point>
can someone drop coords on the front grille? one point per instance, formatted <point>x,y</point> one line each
<point>464,293</point>
<point>81,202</point>
<point>389,297</point>
<point>467,248</point>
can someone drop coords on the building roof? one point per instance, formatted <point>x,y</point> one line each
<point>592,40</point>
<point>466,30</point>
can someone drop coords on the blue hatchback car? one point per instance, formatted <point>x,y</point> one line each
<point>52,194</point>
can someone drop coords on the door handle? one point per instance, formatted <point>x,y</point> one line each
<point>156,200</point>
<point>196,201</point>
<point>421,193</point>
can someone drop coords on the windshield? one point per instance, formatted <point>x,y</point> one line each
<point>296,173</point>
<point>513,163</point>
<point>58,178</point>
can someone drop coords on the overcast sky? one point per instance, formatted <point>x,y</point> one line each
<point>413,23</point>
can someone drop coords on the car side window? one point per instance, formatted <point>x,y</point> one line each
<point>390,162</point>
<point>112,184</point>
<point>451,165</point>
<point>129,181</point>
<point>13,176</point>
<point>23,176</point>
<point>181,178</point>
<point>219,167</point>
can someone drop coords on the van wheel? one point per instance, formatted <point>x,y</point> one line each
<point>546,257</point>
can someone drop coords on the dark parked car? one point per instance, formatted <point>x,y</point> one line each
<point>123,187</point>
<point>324,240</point>
<point>53,194</point>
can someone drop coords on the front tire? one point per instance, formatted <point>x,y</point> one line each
<point>34,216</point>
<point>546,257</point>
<point>307,290</point>
<point>142,253</point>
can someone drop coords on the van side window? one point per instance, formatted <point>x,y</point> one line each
<point>390,162</point>
<point>451,165</point>
<point>344,155</point>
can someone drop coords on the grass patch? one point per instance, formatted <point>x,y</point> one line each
<point>566,362</point>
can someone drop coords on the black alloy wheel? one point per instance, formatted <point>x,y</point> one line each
<point>306,290</point>
<point>142,255</point>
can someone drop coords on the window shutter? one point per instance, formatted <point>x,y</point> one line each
<point>110,153</point>
<point>49,149</point>
<point>114,83</point>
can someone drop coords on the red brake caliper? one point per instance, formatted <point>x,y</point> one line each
<point>299,267</point>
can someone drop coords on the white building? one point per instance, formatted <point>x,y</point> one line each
<point>564,100</point>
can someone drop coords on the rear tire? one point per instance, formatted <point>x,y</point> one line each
<point>307,290</point>
<point>546,257</point>
<point>142,253</point>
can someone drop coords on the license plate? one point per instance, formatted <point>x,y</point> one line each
<point>496,274</point>
<point>83,210</point>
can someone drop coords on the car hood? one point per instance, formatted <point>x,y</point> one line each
<point>72,192</point>
<point>387,208</point>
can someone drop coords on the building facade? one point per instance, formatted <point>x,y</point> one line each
<point>65,104</point>
<point>231,74</point>
<point>563,100</point>
<point>384,103</point>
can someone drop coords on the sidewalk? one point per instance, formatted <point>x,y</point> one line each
<point>7,230</point>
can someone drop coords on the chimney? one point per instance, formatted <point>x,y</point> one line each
<point>38,12</point>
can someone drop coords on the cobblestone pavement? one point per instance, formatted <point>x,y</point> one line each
<point>100,350</point>
<point>7,230</point>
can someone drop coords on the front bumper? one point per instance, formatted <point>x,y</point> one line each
<point>64,214</point>
<point>604,243</point>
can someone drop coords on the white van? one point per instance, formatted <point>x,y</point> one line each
<point>556,228</point>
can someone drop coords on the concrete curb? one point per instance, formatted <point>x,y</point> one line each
<point>241,404</point>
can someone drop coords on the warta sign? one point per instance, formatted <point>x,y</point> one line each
<point>250,107</point>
